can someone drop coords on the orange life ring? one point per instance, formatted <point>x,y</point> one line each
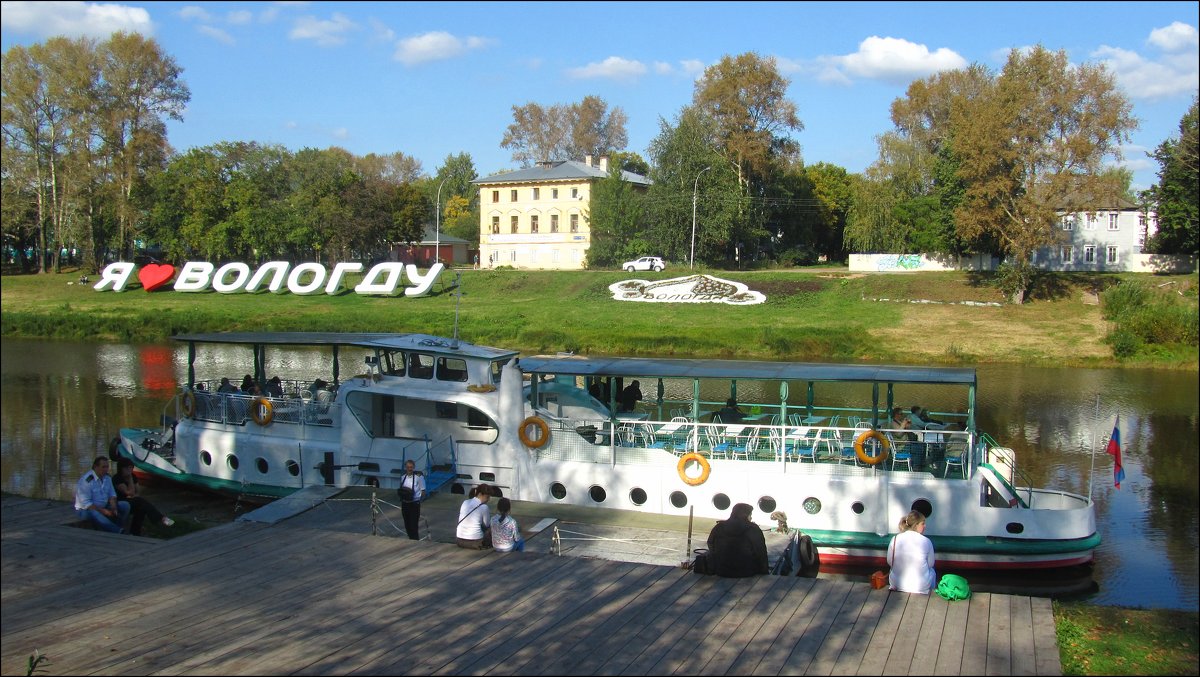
<point>189,403</point>
<point>705,469</point>
<point>543,435</point>
<point>884,446</point>
<point>262,411</point>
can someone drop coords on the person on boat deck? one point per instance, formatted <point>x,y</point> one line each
<point>412,492</point>
<point>226,386</point>
<point>901,421</point>
<point>730,412</point>
<point>630,396</point>
<point>506,535</point>
<point>920,417</point>
<point>274,387</point>
<point>736,546</point>
<point>96,500</point>
<point>474,531</point>
<point>248,385</point>
<point>317,386</point>
<point>126,486</point>
<point>910,555</point>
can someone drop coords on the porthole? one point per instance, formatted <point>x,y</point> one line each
<point>857,507</point>
<point>678,499</point>
<point>597,493</point>
<point>721,502</point>
<point>558,491</point>
<point>1014,527</point>
<point>457,488</point>
<point>766,504</point>
<point>812,505</point>
<point>262,465</point>
<point>293,468</point>
<point>206,458</point>
<point>232,461</point>
<point>638,496</point>
<point>487,477</point>
<point>923,506</point>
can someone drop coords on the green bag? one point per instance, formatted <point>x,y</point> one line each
<point>953,587</point>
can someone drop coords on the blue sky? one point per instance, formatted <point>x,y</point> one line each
<point>434,79</point>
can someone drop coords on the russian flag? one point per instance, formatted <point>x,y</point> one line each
<point>1114,448</point>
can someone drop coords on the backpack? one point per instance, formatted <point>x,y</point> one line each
<point>953,587</point>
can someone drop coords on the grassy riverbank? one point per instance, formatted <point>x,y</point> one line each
<point>827,314</point>
<point>1097,640</point>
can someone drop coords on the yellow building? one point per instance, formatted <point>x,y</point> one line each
<point>537,217</point>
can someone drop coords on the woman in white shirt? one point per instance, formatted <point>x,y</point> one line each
<point>474,530</point>
<point>506,535</point>
<point>910,555</point>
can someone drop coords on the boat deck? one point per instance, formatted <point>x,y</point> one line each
<point>307,597</point>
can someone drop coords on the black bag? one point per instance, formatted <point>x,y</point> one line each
<point>406,494</point>
<point>700,565</point>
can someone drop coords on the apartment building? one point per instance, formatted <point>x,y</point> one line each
<point>1109,239</point>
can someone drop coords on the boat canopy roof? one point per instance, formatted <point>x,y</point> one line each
<point>381,341</point>
<point>746,370</point>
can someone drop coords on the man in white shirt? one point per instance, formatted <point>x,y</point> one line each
<point>412,492</point>
<point>96,500</point>
<point>474,522</point>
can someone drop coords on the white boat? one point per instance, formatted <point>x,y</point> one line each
<point>469,414</point>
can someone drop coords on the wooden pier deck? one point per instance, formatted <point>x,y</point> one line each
<point>290,598</point>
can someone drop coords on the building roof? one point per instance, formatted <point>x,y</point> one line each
<point>563,170</point>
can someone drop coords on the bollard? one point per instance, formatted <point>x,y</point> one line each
<point>374,512</point>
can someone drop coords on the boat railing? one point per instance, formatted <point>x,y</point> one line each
<point>238,409</point>
<point>831,448</point>
<point>1004,461</point>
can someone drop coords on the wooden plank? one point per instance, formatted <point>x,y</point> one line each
<point>875,657</point>
<point>930,638</point>
<point>904,643</point>
<point>975,640</point>
<point>1045,638</point>
<point>999,637</point>
<point>670,633</point>
<point>634,619</point>
<point>860,636</point>
<point>807,630</point>
<point>719,662</point>
<point>821,659</point>
<point>1024,654</point>
<point>772,643</point>
<point>953,640</point>
<point>710,632</point>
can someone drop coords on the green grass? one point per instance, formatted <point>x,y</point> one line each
<point>1096,640</point>
<point>808,315</point>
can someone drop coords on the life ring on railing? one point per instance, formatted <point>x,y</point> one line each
<point>189,403</point>
<point>262,411</point>
<point>883,443</point>
<point>543,435</point>
<point>705,469</point>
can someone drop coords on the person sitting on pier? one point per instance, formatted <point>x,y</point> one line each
<point>506,535</point>
<point>910,555</point>
<point>737,547</point>
<point>96,500</point>
<point>474,530</point>
<point>126,486</point>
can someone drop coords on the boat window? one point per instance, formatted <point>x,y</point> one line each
<point>447,410</point>
<point>638,496</point>
<point>721,502</point>
<point>766,504</point>
<point>496,369</point>
<point>392,362</point>
<point>451,369</point>
<point>420,366</point>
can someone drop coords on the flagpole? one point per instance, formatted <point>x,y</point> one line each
<point>1092,473</point>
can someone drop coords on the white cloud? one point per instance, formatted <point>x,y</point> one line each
<point>325,32</point>
<point>614,67</point>
<point>381,31</point>
<point>693,67</point>
<point>663,68</point>
<point>436,46</point>
<point>1173,74</point>
<point>240,17</point>
<point>1178,37</point>
<point>74,19</point>
<point>340,133</point>
<point>896,60</point>
<point>193,12</point>
<point>215,33</point>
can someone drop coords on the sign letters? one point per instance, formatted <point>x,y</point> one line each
<point>303,279</point>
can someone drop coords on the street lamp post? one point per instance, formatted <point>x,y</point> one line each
<point>437,224</point>
<point>695,186</point>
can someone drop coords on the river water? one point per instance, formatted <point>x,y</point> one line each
<point>63,401</point>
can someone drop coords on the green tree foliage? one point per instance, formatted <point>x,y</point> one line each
<point>1175,197</point>
<point>617,222</point>
<point>565,132</point>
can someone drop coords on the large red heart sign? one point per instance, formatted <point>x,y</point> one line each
<point>155,275</point>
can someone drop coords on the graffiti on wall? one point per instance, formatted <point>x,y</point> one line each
<point>898,262</point>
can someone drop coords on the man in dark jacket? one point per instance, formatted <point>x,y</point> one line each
<point>737,547</point>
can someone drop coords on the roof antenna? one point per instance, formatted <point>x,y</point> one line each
<point>457,301</point>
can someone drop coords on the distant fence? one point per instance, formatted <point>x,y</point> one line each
<point>900,263</point>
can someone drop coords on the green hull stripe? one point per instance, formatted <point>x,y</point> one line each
<point>982,545</point>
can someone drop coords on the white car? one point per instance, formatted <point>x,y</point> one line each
<point>645,263</point>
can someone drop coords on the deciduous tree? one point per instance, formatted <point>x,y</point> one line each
<point>1175,197</point>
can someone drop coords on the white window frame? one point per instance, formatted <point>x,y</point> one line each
<point>536,193</point>
<point>1089,253</point>
<point>1092,222</point>
<point>574,223</point>
<point>533,223</point>
<point>1112,254</point>
<point>495,225</point>
<point>1068,222</point>
<point>512,194</point>
<point>554,223</point>
<point>1067,253</point>
<point>513,224</point>
<point>1114,221</point>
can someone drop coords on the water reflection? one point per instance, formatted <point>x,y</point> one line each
<point>63,402</point>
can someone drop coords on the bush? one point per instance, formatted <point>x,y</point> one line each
<point>1126,296</point>
<point>1124,343</point>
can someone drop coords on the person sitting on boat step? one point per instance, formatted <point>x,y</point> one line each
<point>737,547</point>
<point>474,530</point>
